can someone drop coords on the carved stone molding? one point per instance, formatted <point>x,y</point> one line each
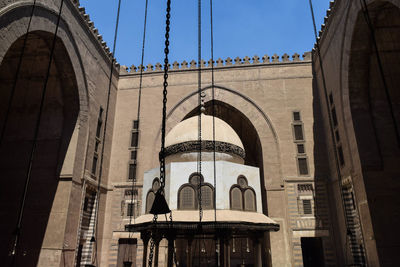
<point>206,146</point>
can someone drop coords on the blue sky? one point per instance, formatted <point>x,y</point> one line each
<point>241,28</point>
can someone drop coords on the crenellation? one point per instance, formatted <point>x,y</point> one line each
<point>256,59</point>
<point>158,66</point>
<point>238,61</point>
<point>285,58</point>
<point>219,63</point>
<point>141,68</point>
<point>275,58</point>
<point>175,65</point>
<point>184,65</point>
<point>246,60</point>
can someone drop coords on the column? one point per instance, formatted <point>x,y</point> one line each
<point>228,251</point>
<point>257,252</point>
<point>156,250</point>
<point>221,251</point>
<point>171,239</point>
<point>145,238</point>
<point>189,253</point>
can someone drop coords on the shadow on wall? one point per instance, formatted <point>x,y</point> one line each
<point>58,120</point>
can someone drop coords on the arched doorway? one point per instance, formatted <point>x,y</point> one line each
<point>59,116</point>
<point>374,123</point>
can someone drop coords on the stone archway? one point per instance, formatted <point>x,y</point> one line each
<point>374,126</point>
<point>58,120</point>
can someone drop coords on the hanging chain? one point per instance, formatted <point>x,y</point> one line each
<point>164,115</point>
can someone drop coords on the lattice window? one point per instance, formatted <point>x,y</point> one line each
<point>207,197</point>
<point>249,200</point>
<point>187,198</point>
<point>307,208</point>
<point>298,132</point>
<point>149,201</point>
<point>236,199</point>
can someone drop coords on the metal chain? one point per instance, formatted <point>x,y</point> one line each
<point>164,115</point>
<point>164,111</point>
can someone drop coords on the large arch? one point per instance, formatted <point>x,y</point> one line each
<point>60,114</point>
<point>375,147</point>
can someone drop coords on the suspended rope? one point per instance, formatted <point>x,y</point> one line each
<point>134,196</point>
<point>338,170</point>
<point>16,78</point>
<point>35,136</point>
<point>160,205</point>
<point>380,67</point>
<point>201,109</point>
<point>213,129</point>
<point>98,193</point>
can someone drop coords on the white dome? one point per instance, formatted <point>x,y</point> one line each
<point>187,130</point>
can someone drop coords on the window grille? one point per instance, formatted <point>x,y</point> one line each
<point>236,199</point>
<point>130,209</point>
<point>187,198</point>
<point>134,139</point>
<point>298,132</point>
<point>207,197</point>
<point>296,116</point>
<point>132,171</point>
<point>303,166</point>
<point>249,200</point>
<point>307,209</point>
<point>300,149</point>
<point>94,164</point>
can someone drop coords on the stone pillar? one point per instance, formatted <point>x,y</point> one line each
<point>189,253</point>
<point>145,238</point>
<point>257,252</point>
<point>227,251</point>
<point>171,239</point>
<point>156,250</point>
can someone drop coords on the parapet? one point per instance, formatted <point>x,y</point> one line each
<point>326,23</point>
<point>95,32</point>
<point>220,63</point>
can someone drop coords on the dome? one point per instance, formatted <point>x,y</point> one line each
<point>187,130</point>
<point>183,138</point>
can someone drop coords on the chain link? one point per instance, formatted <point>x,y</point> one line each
<point>164,115</point>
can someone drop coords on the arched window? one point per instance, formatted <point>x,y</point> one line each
<point>149,201</point>
<point>151,194</point>
<point>242,196</point>
<point>249,200</point>
<point>188,194</point>
<point>236,199</point>
<point>187,198</point>
<point>207,197</point>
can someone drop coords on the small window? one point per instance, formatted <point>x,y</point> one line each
<point>86,204</point>
<point>331,98</point>
<point>337,136</point>
<point>242,181</point>
<point>296,116</point>
<point>340,155</point>
<point>249,200</point>
<point>207,197</point>
<point>130,192</point>
<point>334,118</point>
<point>298,132</point>
<point>130,209</point>
<point>132,171</point>
<point>134,139</point>
<point>187,198</point>
<point>97,145</point>
<point>236,199</point>
<point>303,166</point>
<point>300,149</point>
<point>133,154</point>
<point>135,124</point>
<point>94,164</point>
<point>99,123</point>
<point>307,206</point>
